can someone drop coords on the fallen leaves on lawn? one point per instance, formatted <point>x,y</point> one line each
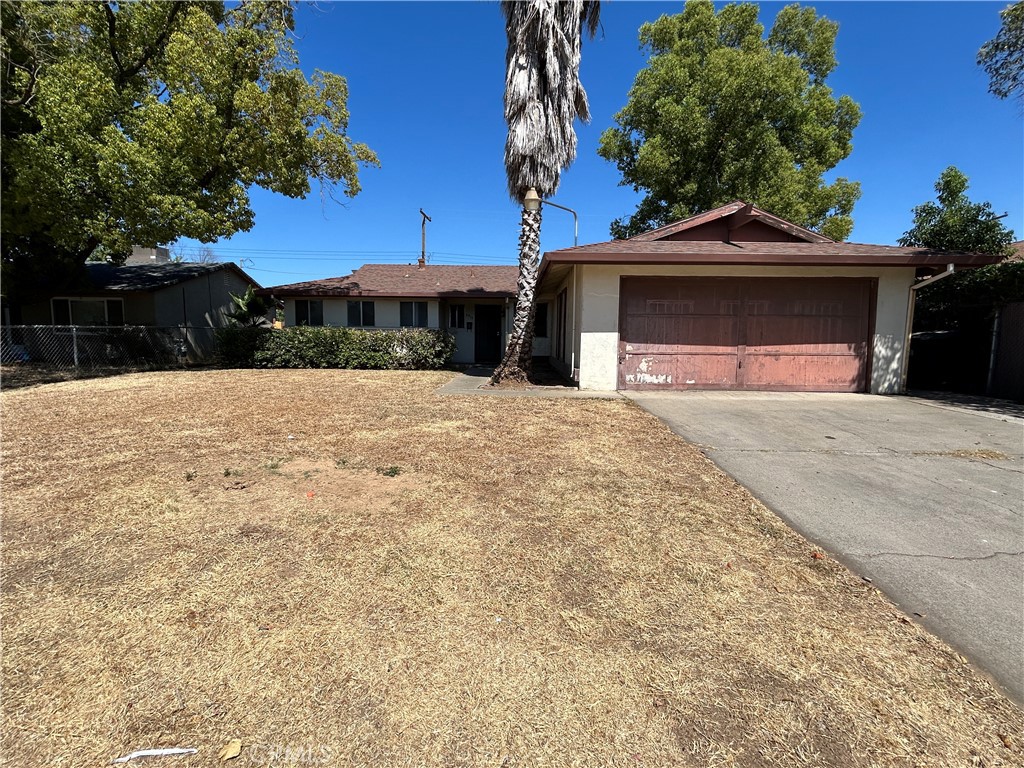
<point>230,750</point>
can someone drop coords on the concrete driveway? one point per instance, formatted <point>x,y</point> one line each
<point>925,500</point>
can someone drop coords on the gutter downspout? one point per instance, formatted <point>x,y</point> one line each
<point>911,301</point>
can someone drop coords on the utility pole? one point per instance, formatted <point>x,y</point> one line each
<point>423,238</point>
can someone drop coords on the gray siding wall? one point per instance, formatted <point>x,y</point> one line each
<point>202,302</point>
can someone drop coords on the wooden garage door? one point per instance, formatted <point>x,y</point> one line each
<point>745,333</point>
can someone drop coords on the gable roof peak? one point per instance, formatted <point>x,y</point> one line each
<point>744,213</point>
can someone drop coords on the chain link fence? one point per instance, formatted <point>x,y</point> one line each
<point>31,354</point>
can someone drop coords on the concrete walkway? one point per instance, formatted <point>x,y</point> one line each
<point>473,381</point>
<point>924,498</point>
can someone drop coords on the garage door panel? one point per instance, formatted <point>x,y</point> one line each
<point>680,334</point>
<point>745,333</point>
<point>676,371</point>
<point>821,335</point>
<point>839,373</point>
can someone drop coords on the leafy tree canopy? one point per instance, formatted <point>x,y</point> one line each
<point>141,122</point>
<point>1002,57</point>
<point>954,223</point>
<point>722,112</point>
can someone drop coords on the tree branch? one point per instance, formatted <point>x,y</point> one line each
<point>151,50</point>
<point>25,97</point>
<point>111,32</point>
<point>124,74</point>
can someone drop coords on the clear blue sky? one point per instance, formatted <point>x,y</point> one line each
<point>426,81</point>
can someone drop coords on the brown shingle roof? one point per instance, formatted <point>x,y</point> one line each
<point>401,280</point>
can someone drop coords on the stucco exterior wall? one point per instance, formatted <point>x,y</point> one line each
<point>386,312</point>
<point>599,323</point>
<point>568,362</point>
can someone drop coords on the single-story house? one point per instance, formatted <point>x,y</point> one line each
<point>163,294</point>
<point>736,298</point>
<point>475,303</point>
<point>188,299</point>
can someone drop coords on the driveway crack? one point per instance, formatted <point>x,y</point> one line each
<point>998,466</point>
<point>937,557</point>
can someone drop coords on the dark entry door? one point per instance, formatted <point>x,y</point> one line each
<point>487,333</point>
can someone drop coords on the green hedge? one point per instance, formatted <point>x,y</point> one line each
<point>316,347</point>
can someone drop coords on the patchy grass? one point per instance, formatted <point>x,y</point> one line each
<point>545,582</point>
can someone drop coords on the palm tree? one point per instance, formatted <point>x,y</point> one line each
<point>543,99</point>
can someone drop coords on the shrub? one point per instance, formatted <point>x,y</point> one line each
<point>237,345</point>
<point>322,347</point>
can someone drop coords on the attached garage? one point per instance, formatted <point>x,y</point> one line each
<point>745,333</point>
<point>736,298</point>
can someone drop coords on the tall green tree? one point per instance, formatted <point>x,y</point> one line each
<point>722,112</point>
<point>1002,57</point>
<point>953,222</point>
<point>141,122</point>
<point>543,99</point>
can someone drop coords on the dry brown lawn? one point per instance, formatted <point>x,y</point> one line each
<point>343,568</point>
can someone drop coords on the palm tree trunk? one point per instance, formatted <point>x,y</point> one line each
<point>515,365</point>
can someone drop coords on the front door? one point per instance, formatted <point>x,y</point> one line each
<point>487,333</point>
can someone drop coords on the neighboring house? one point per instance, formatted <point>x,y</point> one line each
<point>735,298</point>
<point>193,297</point>
<point>474,303</point>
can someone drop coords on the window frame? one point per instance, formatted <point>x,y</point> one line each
<point>419,314</point>
<point>365,310</point>
<point>309,314</point>
<point>456,315</point>
<point>69,300</point>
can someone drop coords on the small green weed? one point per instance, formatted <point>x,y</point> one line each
<point>391,471</point>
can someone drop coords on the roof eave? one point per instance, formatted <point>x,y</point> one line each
<point>327,293</point>
<point>918,259</point>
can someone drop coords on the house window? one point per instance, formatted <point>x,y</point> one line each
<point>309,312</point>
<point>457,316</point>
<point>540,322</point>
<point>413,314</point>
<point>87,311</point>
<point>360,313</point>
